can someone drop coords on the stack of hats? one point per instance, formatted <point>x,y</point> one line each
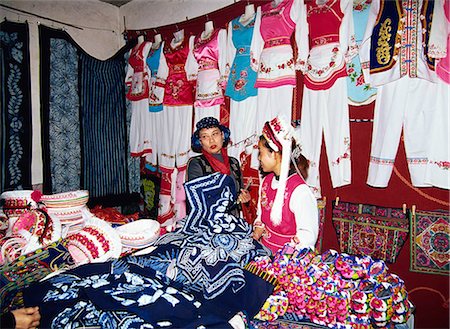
<point>139,234</point>
<point>26,227</point>
<point>68,207</point>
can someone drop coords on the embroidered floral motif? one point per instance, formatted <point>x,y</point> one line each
<point>380,161</point>
<point>346,154</point>
<point>175,88</point>
<point>326,68</point>
<point>442,164</point>
<point>417,161</point>
<point>356,77</point>
<point>361,5</point>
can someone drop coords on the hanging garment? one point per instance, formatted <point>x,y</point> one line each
<point>359,92</point>
<point>208,68</point>
<point>176,123</point>
<point>137,73</point>
<point>397,58</point>
<point>137,81</point>
<point>155,100</point>
<point>272,56</point>
<point>331,42</point>
<point>325,102</point>
<point>396,41</point>
<point>425,132</point>
<point>240,87</point>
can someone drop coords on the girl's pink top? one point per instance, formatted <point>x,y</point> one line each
<point>278,235</point>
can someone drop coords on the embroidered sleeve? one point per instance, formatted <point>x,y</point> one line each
<point>163,69</point>
<point>258,221</point>
<point>129,75</point>
<point>298,15</point>
<point>440,29</point>
<point>304,206</point>
<point>191,62</point>
<point>364,50</point>
<point>223,69</point>
<point>257,44</point>
<point>231,49</point>
<point>347,31</point>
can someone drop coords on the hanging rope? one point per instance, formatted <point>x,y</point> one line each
<point>425,195</point>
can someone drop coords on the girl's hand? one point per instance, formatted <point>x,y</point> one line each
<point>258,232</point>
<point>244,196</point>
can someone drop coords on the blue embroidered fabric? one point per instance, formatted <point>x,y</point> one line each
<point>211,248</point>
<point>242,78</point>
<point>205,285</point>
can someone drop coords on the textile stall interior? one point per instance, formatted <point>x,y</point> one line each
<point>85,142</point>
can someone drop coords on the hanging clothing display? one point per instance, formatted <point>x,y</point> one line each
<point>208,67</point>
<point>272,56</point>
<point>359,91</point>
<point>396,41</point>
<point>325,102</point>
<point>136,80</point>
<point>395,56</point>
<point>176,125</point>
<point>241,84</point>
<point>155,100</point>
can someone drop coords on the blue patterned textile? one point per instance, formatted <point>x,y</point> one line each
<point>208,253</point>
<point>103,126</point>
<point>128,293</point>
<point>84,120</point>
<point>15,115</point>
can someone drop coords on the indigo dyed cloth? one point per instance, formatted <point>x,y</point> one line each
<point>15,114</point>
<point>84,120</point>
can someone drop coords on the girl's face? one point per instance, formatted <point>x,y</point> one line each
<point>267,158</point>
<point>211,139</point>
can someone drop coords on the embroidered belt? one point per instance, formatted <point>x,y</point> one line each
<point>323,40</point>
<point>177,68</point>
<point>207,65</point>
<point>277,42</point>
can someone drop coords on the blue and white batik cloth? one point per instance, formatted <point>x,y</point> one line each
<point>130,292</point>
<point>208,253</point>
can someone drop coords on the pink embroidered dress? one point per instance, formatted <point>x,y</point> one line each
<point>293,226</point>
<point>331,41</point>
<point>271,50</point>
<point>209,68</point>
<point>178,89</point>
<point>137,74</point>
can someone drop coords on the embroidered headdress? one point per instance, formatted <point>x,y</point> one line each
<point>279,133</point>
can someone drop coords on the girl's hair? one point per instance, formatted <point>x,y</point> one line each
<point>301,162</point>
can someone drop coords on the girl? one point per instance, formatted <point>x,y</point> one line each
<point>287,209</point>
